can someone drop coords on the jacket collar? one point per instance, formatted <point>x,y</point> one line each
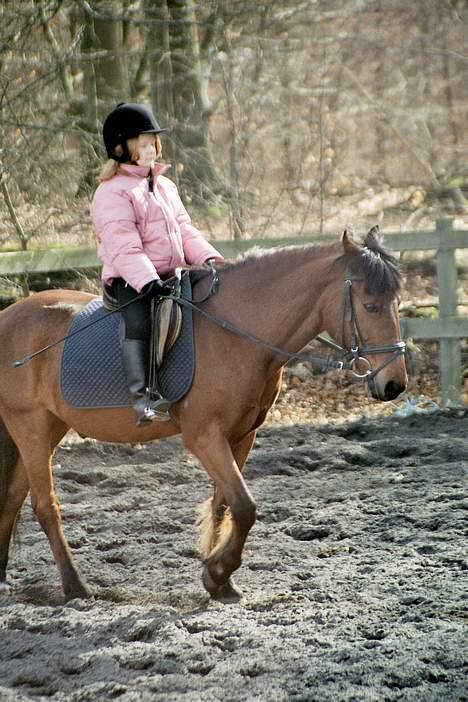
<point>142,171</point>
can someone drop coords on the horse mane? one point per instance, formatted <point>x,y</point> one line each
<point>368,259</point>
<point>257,255</point>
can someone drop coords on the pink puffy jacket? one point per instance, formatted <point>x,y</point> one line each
<point>144,234</point>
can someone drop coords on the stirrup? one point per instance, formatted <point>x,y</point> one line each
<point>147,411</point>
<point>150,415</point>
<point>160,408</point>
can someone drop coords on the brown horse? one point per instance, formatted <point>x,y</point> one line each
<point>285,296</point>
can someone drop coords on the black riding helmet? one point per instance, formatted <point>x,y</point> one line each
<point>127,120</point>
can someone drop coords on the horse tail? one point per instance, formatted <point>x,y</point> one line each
<point>8,459</point>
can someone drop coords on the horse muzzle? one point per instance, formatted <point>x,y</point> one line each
<point>389,379</point>
<point>386,381</point>
<point>388,392</point>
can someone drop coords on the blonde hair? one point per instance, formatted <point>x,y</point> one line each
<point>111,166</point>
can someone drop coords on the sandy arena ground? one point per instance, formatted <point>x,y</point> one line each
<point>354,575</point>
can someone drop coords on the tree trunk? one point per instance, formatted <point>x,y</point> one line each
<point>179,95</point>
<point>90,112</point>
<point>111,69</point>
<point>237,223</point>
<point>158,51</point>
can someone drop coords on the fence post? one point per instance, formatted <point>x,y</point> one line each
<point>449,349</point>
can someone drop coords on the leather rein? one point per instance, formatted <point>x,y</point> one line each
<point>351,357</point>
<point>356,354</point>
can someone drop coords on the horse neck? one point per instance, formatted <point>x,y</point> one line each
<point>286,289</point>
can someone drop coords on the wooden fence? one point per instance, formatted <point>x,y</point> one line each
<point>448,328</point>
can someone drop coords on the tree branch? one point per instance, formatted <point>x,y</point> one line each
<point>23,237</point>
<point>62,67</point>
<point>383,116</point>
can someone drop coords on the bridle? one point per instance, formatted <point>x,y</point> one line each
<point>358,350</point>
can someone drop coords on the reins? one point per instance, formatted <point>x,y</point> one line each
<point>224,324</point>
<point>350,360</point>
<point>29,357</point>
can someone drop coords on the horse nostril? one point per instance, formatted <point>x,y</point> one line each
<point>392,390</point>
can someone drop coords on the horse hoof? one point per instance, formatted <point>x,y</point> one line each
<point>4,588</point>
<point>227,593</point>
<point>79,593</point>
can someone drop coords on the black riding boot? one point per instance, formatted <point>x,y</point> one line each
<point>134,363</point>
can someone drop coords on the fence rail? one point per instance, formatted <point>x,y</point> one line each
<point>448,328</point>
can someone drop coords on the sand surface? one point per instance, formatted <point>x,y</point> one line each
<point>354,576</point>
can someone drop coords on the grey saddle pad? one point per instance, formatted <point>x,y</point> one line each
<point>92,374</point>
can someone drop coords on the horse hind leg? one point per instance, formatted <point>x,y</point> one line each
<point>13,491</point>
<point>36,435</point>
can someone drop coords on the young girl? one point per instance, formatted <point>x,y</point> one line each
<point>144,232</point>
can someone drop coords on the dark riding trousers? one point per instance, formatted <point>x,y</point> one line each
<point>137,316</point>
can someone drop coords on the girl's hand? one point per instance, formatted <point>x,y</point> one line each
<point>157,288</point>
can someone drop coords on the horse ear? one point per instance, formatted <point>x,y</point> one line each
<point>373,238</point>
<point>349,245</point>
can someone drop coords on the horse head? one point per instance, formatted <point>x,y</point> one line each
<point>369,325</point>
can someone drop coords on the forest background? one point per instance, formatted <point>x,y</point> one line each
<point>285,117</point>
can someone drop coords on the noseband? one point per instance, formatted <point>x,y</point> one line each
<point>358,350</point>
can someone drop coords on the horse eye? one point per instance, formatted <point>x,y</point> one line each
<point>371,307</point>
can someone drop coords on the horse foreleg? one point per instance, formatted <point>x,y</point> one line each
<point>16,493</point>
<point>36,435</point>
<point>232,509</point>
<point>214,517</point>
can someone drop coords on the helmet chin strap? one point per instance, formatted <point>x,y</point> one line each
<point>125,157</point>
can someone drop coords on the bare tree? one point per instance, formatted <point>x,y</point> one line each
<point>110,66</point>
<point>179,73</point>
<point>288,111</point>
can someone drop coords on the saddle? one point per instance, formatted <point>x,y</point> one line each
<point>166,320</point>
<point>166,323</point>
<point>92,374</point>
